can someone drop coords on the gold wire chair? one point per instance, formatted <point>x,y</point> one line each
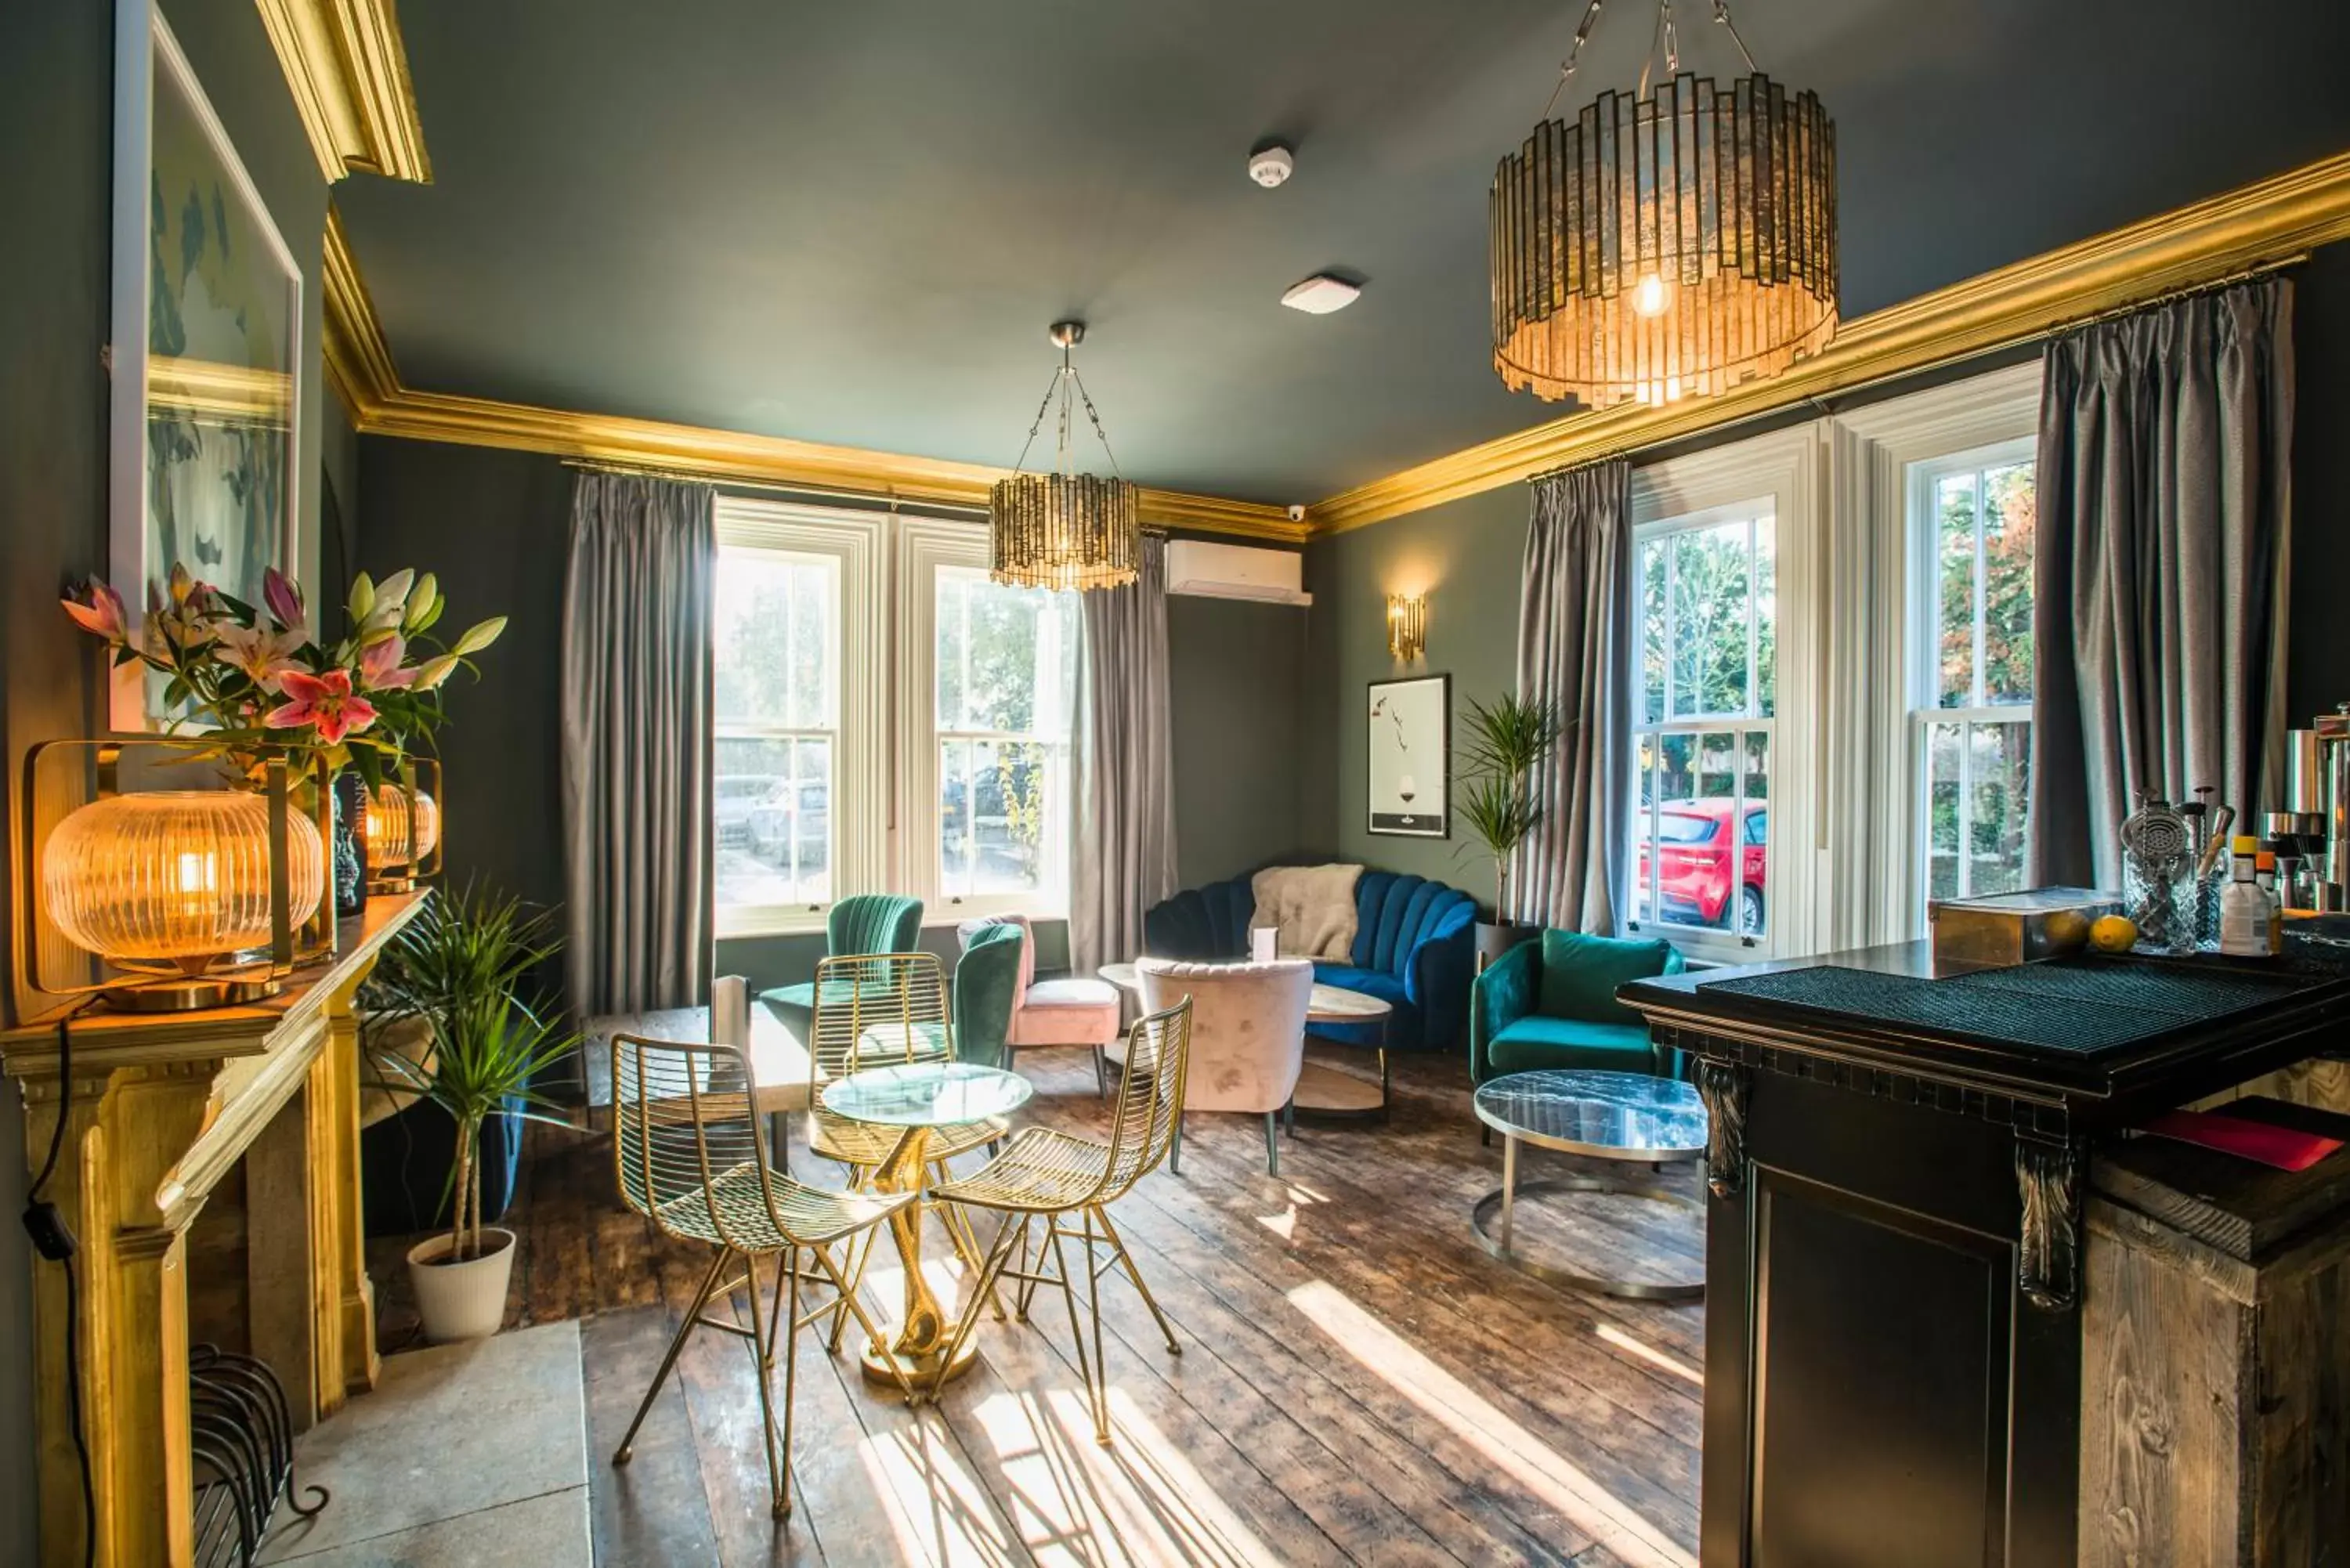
<point>878,1010</point>
<point>1053,1175</point>
<point>687,1150</point>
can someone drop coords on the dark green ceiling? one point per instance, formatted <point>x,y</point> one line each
<point>850,221</point>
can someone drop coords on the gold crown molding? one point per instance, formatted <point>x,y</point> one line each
<point>348,72</point>
<point>2204,241</point>
<point>358,361</point>
<point>360,369</point>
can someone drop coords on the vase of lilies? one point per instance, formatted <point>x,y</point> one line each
<point>257,681</point>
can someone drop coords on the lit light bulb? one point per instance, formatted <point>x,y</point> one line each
<point>1649,295</point>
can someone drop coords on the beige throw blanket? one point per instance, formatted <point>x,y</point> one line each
<point>1313,905</point>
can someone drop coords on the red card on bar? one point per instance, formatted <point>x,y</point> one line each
<point>2282,1148</point>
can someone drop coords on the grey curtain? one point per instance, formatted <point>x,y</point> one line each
<point>1123,859</point>
<point>2166,442</point>
<point>1576,632</point>
<point>637,746</point>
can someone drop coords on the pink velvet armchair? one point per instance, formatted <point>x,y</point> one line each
<point>1071,1012</point>
<point>1248,1035</point>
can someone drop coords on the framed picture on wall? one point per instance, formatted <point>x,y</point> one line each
<point>1410,756</point>
<point>206,355</point>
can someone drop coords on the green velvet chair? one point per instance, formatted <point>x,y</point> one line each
<point>860,923</point>
<point>986,983</point>
<point>1552,1003</point>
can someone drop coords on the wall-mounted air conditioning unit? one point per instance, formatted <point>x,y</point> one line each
<point>1235,572</point>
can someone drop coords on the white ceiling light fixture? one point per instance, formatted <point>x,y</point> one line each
<point>1271,164</point>
<point>1321,294</point>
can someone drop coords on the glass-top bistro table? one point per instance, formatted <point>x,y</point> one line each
<point>918,1097</point>
<point>1627,1116</point>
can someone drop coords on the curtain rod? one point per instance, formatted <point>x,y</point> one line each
<point>1819,404</point>
<point>775,487</point>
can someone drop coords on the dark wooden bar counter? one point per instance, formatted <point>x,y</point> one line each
<point>1897,1163</point>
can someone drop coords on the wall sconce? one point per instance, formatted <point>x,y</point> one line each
<point>1407,625</point>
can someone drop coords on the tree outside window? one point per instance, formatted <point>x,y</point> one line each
<point>1975,518</point>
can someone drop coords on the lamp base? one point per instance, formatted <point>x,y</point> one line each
<point>196,995</point>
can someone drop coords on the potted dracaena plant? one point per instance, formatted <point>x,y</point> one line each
<point>462,968</point>
<point>1495,798</point>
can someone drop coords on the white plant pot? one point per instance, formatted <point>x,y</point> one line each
<point>462,1301</point>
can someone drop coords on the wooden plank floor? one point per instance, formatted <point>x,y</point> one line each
<point>1359,1382</point>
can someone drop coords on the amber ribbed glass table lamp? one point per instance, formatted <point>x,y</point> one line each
<point>173,887</point>
<point>399,839</point>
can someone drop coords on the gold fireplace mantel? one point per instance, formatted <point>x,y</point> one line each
<point>158,1109</point>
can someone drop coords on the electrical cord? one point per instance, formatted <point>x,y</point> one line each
<point>53,1239</point>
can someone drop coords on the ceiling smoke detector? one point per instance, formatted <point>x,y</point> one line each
<point>1321,294</point>
<point>1269,166</point>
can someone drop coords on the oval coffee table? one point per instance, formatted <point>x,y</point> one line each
<point>1627,1116</point>
<point>1322,1090</point>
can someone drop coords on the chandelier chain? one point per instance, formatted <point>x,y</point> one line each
<point>1721,15</point>
<point>1665,28</point>
<point>1099,434</point>
<point>1050,388</point>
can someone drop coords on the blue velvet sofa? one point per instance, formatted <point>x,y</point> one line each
<point>1414,949</point>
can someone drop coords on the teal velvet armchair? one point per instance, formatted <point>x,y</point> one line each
<point>1552,1003</point>
<point>860,923</point>
<point>986,983</point>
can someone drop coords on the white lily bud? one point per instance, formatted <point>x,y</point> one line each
<point>481,636</point>
<point>362,599</point>
<point>420,601</point>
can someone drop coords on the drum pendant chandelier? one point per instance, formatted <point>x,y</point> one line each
<point>1065,529</point>
<point>1667,244</point>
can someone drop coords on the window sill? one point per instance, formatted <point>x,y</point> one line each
<point>752,924</point>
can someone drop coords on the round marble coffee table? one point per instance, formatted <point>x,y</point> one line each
<point>1322,1090</point>
<point>1627,1116</point>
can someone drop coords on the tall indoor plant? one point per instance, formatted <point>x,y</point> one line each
<point>463,968</point>
<point>1495,796</point>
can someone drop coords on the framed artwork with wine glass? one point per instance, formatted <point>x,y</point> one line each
<point>1410,756</point>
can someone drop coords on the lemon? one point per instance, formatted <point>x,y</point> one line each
<point>2113,934</point>
<point>2067,930</point>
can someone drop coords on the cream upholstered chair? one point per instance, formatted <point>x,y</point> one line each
<point>1248,1033</point>
<point>1077,1010</point>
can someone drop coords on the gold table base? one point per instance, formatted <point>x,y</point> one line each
<point>919,1350</point>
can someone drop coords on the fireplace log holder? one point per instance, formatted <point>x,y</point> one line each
<point>242,1439</point>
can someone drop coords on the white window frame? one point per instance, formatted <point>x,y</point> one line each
<point>1777,474</point>
<point>1881,617</point>
<point>857,542</point>
<point>1923,671</point>
<point>925,546</point>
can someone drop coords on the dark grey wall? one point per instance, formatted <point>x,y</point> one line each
<point>54,65</point>
<point>1238,690</point>
<point>494,525</point>
<point>1466,558</point>
<point>57,66</point>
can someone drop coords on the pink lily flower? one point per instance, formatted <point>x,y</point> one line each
<point>379,667</point>
<point>98,610</point>
<point>325,700</point>
<point>265,657</point>
<point>283,598</point>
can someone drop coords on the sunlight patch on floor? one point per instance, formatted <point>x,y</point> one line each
<point>939,1511</point>
<point>1534,1465</point>
<point>1137,1500</point>
<point>1609,1334</point>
